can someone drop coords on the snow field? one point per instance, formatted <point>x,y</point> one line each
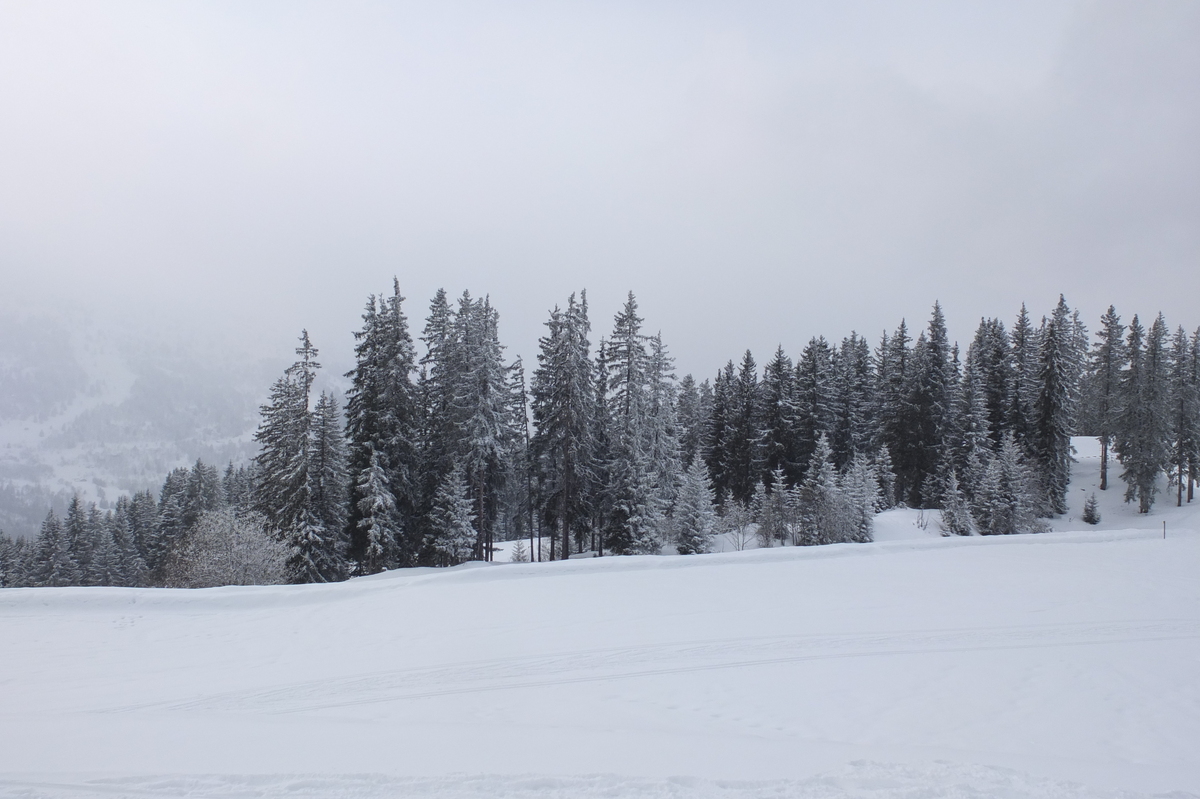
<point>1056,665</point>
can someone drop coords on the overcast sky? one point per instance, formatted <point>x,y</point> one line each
<point>757,173</point>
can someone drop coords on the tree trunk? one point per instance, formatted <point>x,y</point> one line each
<point>1103,463</point>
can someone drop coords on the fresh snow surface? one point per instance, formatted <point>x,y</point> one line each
<point>1055,665</point>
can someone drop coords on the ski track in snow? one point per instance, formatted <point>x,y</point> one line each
<point>858,780</point>
<point>644,661</point>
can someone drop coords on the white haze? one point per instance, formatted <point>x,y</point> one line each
<point>756,173</point>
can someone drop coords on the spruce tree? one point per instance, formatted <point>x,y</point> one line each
<point>859,488</point>
<point>1184,421</point>
<point>691,421</point>
<point>1006,500</point>
<point>636,512</point>
<point>452,521</point>
<point>482,402</point>
<point>1143,428</point>
<point>742,426</point>
<point>989,362</point>
<point>382,433</point>
<point>924,413</point>
<point>956,513</point>
<point>694,512</point>
<point>300,476</point>
<point>814,402</point>
<point>563,404</point>
<point>851,431</point>
<point>378,528</point>
<point>79,542</point>
<point>822,518</point>
<point>55,562</point>
<point>1108,358</point>
<point>1024,359</point>
<point>777,439</point>
<point>328,470</point>
<point>896,434</point>
<point>10,572</point>
<point>1052,417</point>
<point>718,433</point>
<point>662,427</point>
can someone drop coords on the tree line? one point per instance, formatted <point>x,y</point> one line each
<point>444,448</point>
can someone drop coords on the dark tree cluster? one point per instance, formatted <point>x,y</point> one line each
<point>142,541</point>
<point>444,449</point>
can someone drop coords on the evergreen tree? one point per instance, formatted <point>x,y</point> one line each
<point>718,433</point>
<point>483,404</point>
<point>1184,421</point>
<point>599,476</point>
<point>1143,428</point>
<point>55,564</point>
<point>742,426</point>
<point>1024,360</point>
<point>452,521</point>
<point>772,511</point>
<point>563,404</point>
<point>989,363</point>
<point>328,470</point>
<point>973,444</point>
<point>822,517</point>
<point>777,440</point>
<point>814,403</point>
<point>11,566</point>
<point>956,514</point>
<point>886,476</point>
<point>132,569</point>
<point>636,511</point>
<point>1006,499</point>
<point>691,421</point>
<point>203,492</point>
<point>237,487</point>
<point>382,433</point>
<point>924,411</point>
<point>80,542</point>
<point>1049,435</point>
<point>375,514</point>
<point>859,489</point>
<point>1091,510</point>
<point>299,473</point>
<point>895,435</point>
<point>694,512</point>
<point>852,432</point>
<point>1108,359</point>
<point>143,525</point>
<point>662,427</point>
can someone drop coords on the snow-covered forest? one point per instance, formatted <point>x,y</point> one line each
<point>444,447</point>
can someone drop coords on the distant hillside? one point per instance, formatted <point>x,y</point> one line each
<point>102,411</point>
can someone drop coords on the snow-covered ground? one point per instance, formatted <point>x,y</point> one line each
<point>1056,665</point>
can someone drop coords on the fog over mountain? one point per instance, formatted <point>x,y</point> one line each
<point>184,187</point>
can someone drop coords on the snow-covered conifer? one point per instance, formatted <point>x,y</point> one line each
<point>956,514</point>
<point>453,537</point>
<point>1053,409</point>
<point>382,432</point>
<point>694,512</point>
<point>563,407</point>
<point>1142,434</point>
<point>1007,498</point>
<point>378,527</point>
